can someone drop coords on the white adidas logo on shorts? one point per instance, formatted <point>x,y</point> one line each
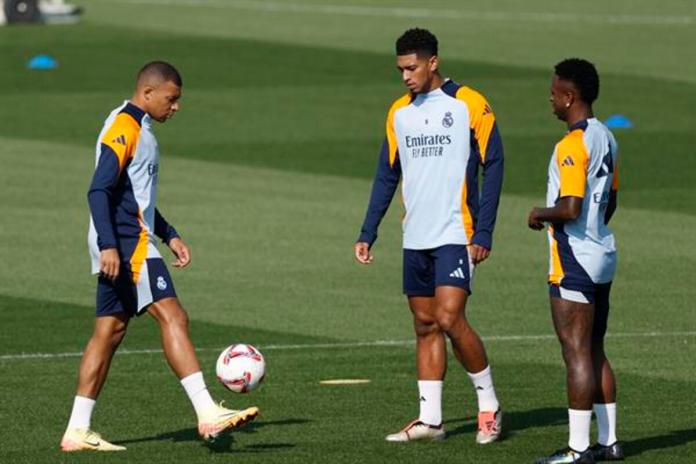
<point>458,274</point>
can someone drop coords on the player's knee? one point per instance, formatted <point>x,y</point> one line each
<point>425,325</point>
<point>110,339</point>
<point>177,319</point>
<point>169,313</point>
<point>574,349</point>
<point>117,336</point>
<point>423,330</point>
<point>448,317</point>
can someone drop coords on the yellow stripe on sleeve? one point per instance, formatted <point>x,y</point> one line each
<point>391,133</point>
<point>481,116</point>
<point>615,179</point>
<point>572,159</point>
<point>122,138</point>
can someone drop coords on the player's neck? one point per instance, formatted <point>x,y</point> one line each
<point>435,83</point>
<point>577,115</point>
<point>137,101</point>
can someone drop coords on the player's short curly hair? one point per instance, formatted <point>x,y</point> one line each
<point>416,40</point>
<point>583,75</point>
<point>161,70</point>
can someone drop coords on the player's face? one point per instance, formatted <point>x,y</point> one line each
<point>562,94</point>
<point>163,101</point>
<point>417,71</point>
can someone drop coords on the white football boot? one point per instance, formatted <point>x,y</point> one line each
<point>490,426</point>
<point>86,440</point>
<point>219,420</point>
<point>418,430</point>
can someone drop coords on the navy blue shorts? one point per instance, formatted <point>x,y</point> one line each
<point>446,265</point>
<point>133,298</point>
<point>598,296</point>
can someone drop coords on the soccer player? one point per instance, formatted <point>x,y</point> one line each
<point>133,278</point>
<point>438,136</point>
<point>580,201</point>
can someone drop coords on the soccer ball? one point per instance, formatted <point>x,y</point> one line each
<point>240,368</point>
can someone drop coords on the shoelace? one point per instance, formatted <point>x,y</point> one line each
<point>410,425</point>
<point>487,423</point>
<point>92,436</point>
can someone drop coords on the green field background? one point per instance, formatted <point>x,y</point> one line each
<point>266,173</point>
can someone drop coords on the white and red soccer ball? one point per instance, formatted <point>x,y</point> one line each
<point>240,368</point>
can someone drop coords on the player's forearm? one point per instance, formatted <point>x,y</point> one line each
<point>611,207</point>
<point>380,199</point>
<point>100,210</point>
<point>383,189</point>
<point>567,209</point>
<point>493,168</point>
<point>99,198</point>
<point>163,229</point>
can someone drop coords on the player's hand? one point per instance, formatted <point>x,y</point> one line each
<point>478,253</point>
<point>533,221</point>
<point>181,251</point>
<point>109,263</point>
<point>362,253</point>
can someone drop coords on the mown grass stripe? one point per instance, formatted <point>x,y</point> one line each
<point>365,344</point>
<point>424,13</point>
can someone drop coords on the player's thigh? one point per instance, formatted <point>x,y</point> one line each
<point>168,311</point>
<point>450,302</point>
<point>601,315</point>
<point>572,321</point>
<point>111,326</point>
<point>449,308</point>
<point>423,310</point>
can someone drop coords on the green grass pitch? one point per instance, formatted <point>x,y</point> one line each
<point>266,173</point>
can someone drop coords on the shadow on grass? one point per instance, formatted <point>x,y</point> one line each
<point>669,440</point>
<point>517,421</point>
<point>224,443</point>
<point>514,421</point>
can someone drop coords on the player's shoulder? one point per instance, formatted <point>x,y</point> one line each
<point>598,137</point>
<point>401,102</point>
<point>122,127</point>
<point>470,95</point>
<point>573,142</point>
<point>122,130</point>
<point>596,127</point>
<point>472,98</point>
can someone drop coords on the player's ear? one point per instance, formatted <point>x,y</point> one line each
<point>433,63</point>
<point>569,98</point>
<point>148,91</point>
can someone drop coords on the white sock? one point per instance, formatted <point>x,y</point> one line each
<point>579,423</point>
<point>483,383</point>
<point>606,423</point>
<point>81,417</point>
<point>198,393</point>
<point>430,394</point>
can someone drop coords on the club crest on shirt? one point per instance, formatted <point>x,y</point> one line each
<point>448,120</point>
